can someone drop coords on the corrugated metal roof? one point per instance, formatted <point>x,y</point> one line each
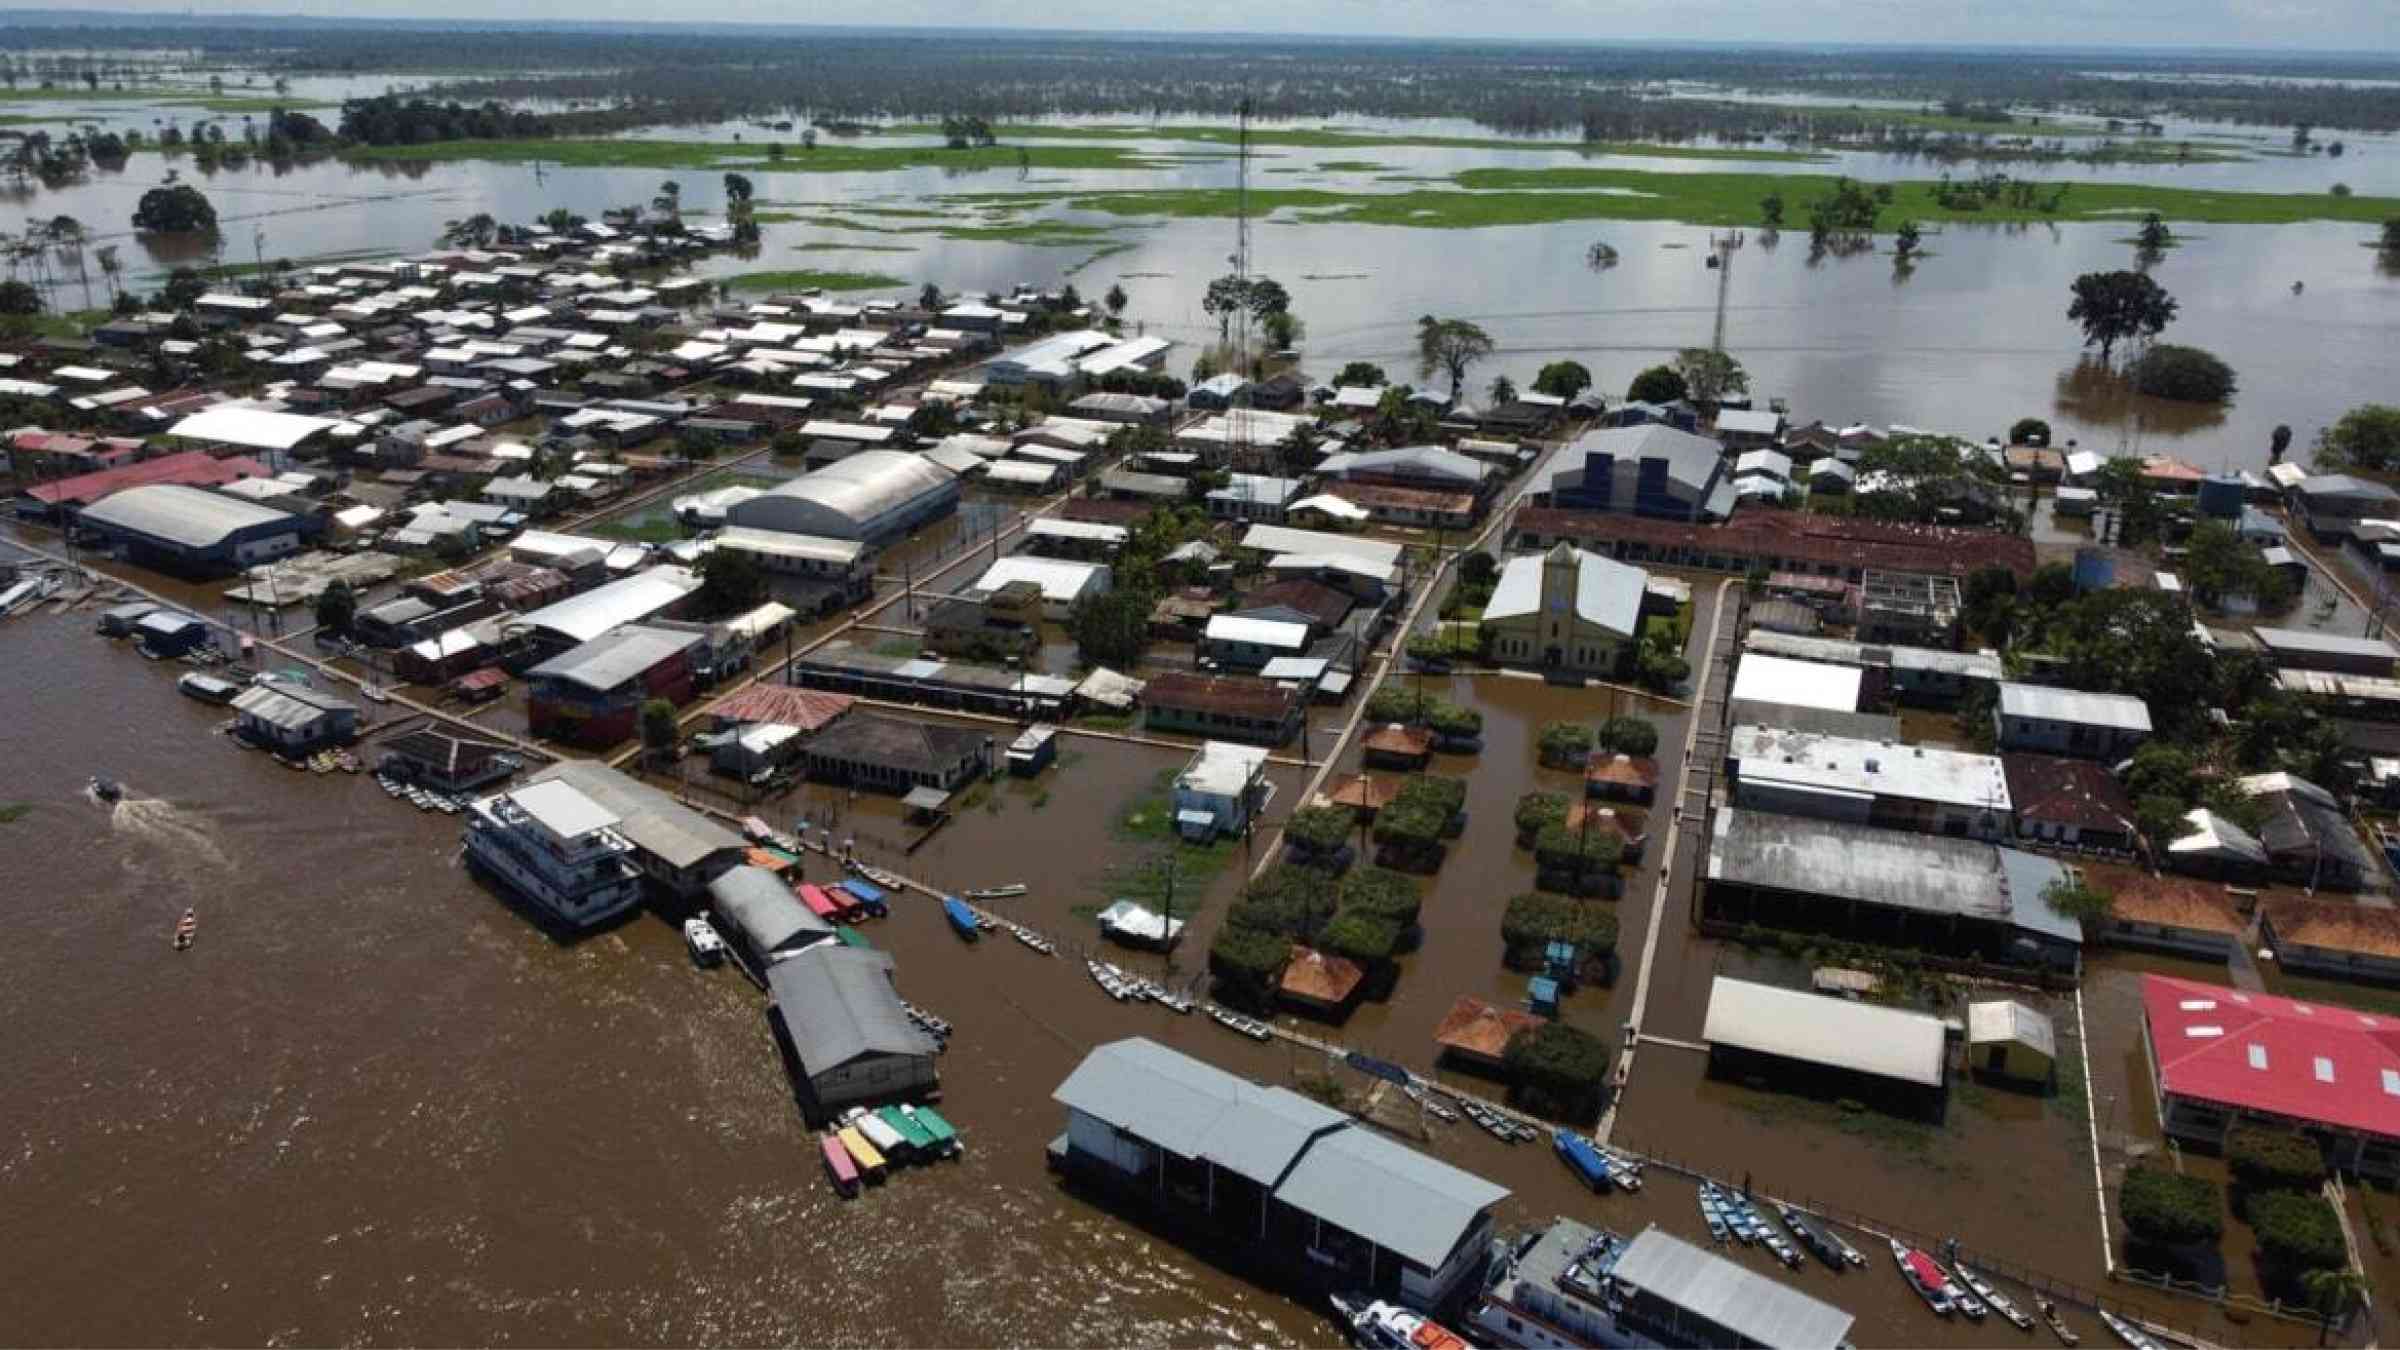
<point>1793,1024</point>
<point>1928,873</point>
<point>1806,684</point>
<point>1258,632</point>
<point>291,707</point>
<point>616,656</point>
<point>2003,1019</point>
<point>2121,711</point>
<point>1759,1310</point>
<point>837,1003</point>
<point>251,428</point>
<point>561,809</point>
<point>626,600</point>
<point>1310,1157</point>
<point>657,824</point>
<point>765,910</point>
<point>1608,593</point>
<point>189,516</point>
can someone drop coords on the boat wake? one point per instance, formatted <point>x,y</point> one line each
<point>153,820</point>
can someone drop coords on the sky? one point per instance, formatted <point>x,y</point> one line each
<point>2350,26</point>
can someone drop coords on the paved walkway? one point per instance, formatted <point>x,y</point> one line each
<point>1666,871</point>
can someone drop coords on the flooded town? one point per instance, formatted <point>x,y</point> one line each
<point>1736,711</point>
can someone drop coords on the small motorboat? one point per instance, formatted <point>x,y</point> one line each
<point>706,947</point>
<point>1713,1215</point>
<point>1924,1275</point>
<point>106,789</point>
<point>2058,1325</point>
<point>373,693</point>
<point>998,892</point>
<point>187,929</point>
<point>1378,1325</point>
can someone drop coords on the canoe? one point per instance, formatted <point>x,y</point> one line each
<point>945,1135</point>
<point>870,1162</point>
<point>892,1144</point>
<point>919,1138</point>
<point>962,919</point>
<point>839,1166</point>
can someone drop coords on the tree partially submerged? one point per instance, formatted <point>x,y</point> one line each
<point>2169,1209</point>
<point>2272,1159</point>
<point>1535,919</point>
<point>1558,1071</point>
<point>1565,745</point>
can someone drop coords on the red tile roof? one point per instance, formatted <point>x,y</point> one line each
<point>2336,925</point>
<point>1481,1029</point>
<point>2077,792</point>
<point>807,709</point>
<point>1318,978</point>
<point>1236,695</point>
<point>2307,1061</point>
<point>189,468</point>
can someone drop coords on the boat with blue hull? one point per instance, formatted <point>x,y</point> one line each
<point>962,919</point>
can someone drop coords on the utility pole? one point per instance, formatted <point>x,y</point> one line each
<point>1721,248</point>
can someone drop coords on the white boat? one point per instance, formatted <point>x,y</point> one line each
<point>1379,1325</point>
<point>2127,1332</point>
<point>706,947</point>
<point>997,892</point>
<point>1993,1298</point>
<point>373,693</point>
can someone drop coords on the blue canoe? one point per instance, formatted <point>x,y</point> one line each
<point>961,918</point>
<point>870,898</point>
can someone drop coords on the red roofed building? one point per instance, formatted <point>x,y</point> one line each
<point>1805,542</point>
<point>2219,1055</point>
<point>190,468</point>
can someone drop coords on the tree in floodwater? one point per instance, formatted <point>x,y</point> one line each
<point>179,209</point>
<point>1601,256</point>
<point>1562,379</point>
<point>1904,243</point>
<point>1709,375</point>
<point>1450,346</point>
<point>2116,306</point>
<point>1116,300</point>
<point>2154,236</point>
<point>1770,210</point>
<point>1503,390</point>
<point>2278,442</point>
<point>1658,384</point>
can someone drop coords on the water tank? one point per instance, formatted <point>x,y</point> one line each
<point>2221,496</point>
<point>2095,569</point>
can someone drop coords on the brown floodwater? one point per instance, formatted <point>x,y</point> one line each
<point>373,1105</point>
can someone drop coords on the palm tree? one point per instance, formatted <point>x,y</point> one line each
<point>2334,1290</point>
<point>110,268</point>
<point>67,237</point>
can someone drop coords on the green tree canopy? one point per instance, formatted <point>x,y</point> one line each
<point>2296,1229</point>
<point>1247,962</point>
<point>1558,1070</point>
<point>1566,745</point>
<point>1321,829</point>
<point>2169,1208</point>
<point>1111,628</point>
<point>2115,306</point>
<point>658,724</point>
<point>1359,375</point>
<point>18,299</point>
<point>1537,811</point>
<point>1450,347</point>
<point>1626,734</point>
<point>1368,939</point>
<point>1562,379</point>
<point>175,209</point>
<point>2366,437</point>
<point>1535,919</point>
<point>2272,1159</point>
<point>337,606</point>
<point>2029,431</point>
<point>1658,384</point>
<point>1710,376</point>
<point>730,582</point>
<point>2183,375</point>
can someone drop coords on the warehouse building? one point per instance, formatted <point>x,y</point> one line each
<point>2307,649</point>
<point>756,909</point>
<point>1828,1047</point>
<point>873,496</point>
<point>654,594</point>
<point>846,1039</point>
<point>193,532</point>
<point>2070,721</point>
<point>2342,938</point>
<point>1064,583</point>
<point>895,754</point>
<point>1896,787</point>
<point>592,694</point>
<point>2220,1057</point>
<point>1954,897</point>
<point>1307,1190</point>
<point>293,719</point>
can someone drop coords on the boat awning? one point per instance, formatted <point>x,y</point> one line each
<point>867,894</point>
<point>925,799</point>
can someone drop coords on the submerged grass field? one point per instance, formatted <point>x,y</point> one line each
<point>1328,138</point>
<point>1492,197</point>
<point>752,157</point>
<point>808,278</point>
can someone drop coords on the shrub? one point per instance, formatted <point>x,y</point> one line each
<point>1246,962</point>
<point>1536,919</point>
<point>1629,736</point>
<point>2170,1209</point>
<point>1379,893</point>
<point>2295,1229</point>
<point>1365,938</point>
<point>1321,829</point>
<point>1558,1070</point>
<point>1537,811</point>
<point>1577,854</point>
<point>1398,703</point>
<point>2278,1160</point>
<point>1566,745</point>
<point>2183,374</point>
<point>1292,901</point>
